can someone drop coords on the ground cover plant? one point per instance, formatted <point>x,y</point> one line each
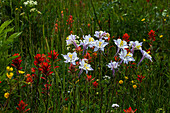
<point>84,56</point>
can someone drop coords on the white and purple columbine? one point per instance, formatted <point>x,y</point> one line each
<point>113,66</point>
<point>101,34</point>
<point>100,44</point>
<point>71,57</point>
<point>121,44</point>
<point>84,66</point>
<point>125,56</point>
<point>71,39</point>
<point>135,45</point>
<point>145,55</point>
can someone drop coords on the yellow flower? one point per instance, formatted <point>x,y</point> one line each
<point>8,68</point>
<point>21,72</point>
<point>6,95</point>
<point>120,81</point>
<point>161,36</point>
<point>97,93</point>
<point>134,86</point>
<point>126,77</point>
<point>144,40</point>
<point>164,19</point>
<point>11,69</point>
<point>9,75</point>
<point>21,7</point>
<point>167,15</point>
<point>132,82</point>
<point>16,8</point>
<point>143,19</point>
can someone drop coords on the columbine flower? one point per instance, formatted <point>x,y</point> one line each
<point>101,34</point>
<point>126,57</point>
<point>115,105</point>
<point>85,66</point>
<point>113,66</point>
<point>71,57</point>
<point>71,40</point>
<point>87,42</point>
<point>99,45</point>
<point>21,107</point>
<point>145,55</point>
<point>121,43</point>
<point>129,110</point>
<point>6,95</point>
<point>135,45</point>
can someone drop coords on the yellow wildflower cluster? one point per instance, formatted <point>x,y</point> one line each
<point>9,75</point>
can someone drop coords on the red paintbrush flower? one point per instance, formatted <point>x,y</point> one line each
<point>39,59</point>
<point>87,56</point>
<point>72,68</point>
<point>29,79</point>
<point>45,68</point>
<point>126,37</point>
<point>147,1</point>
<point>17,62</point>
<point>129,110</point>
<point>33,70</point>
<point>152,35</point>
<point>53,55</point>
<point>95,84</point>
<point>140,78</point>
<point>22,106</point>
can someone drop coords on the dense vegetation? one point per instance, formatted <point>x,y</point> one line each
<point>77,56</point>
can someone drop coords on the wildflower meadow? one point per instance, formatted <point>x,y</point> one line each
<point>84,56</point>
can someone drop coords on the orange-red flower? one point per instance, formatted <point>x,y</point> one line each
<point>17,62</point>
<point>129,110</point>
<point>21,107</point>
<point>126,37</point>
<point>140,78</point>
<point>29,79</point>
<point>39,59</point>
<point>95,84</point>
<point>152,35</point>
<point>87,56</point>
<point>53,55</point>
<point>45,68</point>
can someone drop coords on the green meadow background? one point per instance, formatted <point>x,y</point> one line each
<point>46,29</point>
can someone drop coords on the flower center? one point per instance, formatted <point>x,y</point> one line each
<point>121,43</point>
<point>129,55</point>
<point>91,39</point>
<point>100,43</point>
<point>138,46</point>
<point>67,38</point>
<point>70,55</point>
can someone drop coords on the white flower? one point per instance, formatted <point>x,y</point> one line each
<point>106,77</point>
<point>33,9</point>
<point>71,57</point>
<point>100,44</point>
<point>35,3</point>
<point>115,105</point>
<point>121,43</point>
<point>136,45</point>
<point>146,55</point>
<point>126,57</point>
<point>85,66</point>
<point>101,34</point>
<point>26,3</point>
<point>113,65</point>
